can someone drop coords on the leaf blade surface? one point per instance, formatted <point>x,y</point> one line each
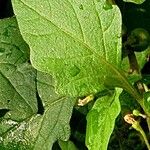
<point>101,121</point>
<point>82,39</point>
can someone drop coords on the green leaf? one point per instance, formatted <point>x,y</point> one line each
<point>135,1</point>
<point>13,135</point>
<point>101,121</point>
<point>58,110</point>
<point>68,145</point>
<point>18,90</point>
<point>17,79</point>
<point>53,125</point>
<point>78,42</point>
<point>41,131</point>
<point>13,49</point>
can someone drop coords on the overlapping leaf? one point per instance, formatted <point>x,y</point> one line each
<point>13,49</point>
<point>17,80</point>
<point>40,131</point>
<point>55,121</point>
<point>18,97</point>
<point>101,121</point>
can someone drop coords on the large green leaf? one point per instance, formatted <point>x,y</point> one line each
<point>17,79</point>
<point>78,42</point>
<point>101,121</point>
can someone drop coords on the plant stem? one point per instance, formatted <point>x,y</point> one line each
<point>148,121</point>
<point>145,138</point>
<point>136,125</point>
<point>134,67</point>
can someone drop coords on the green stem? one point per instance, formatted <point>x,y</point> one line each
<point>145,138</point>
<point>148,121</point>
<point>136,125</point>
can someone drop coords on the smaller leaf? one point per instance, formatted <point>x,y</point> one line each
<point>101,121</point>
<point>17,78</point>
<point>147,101</point>
<point>135,1</point>
<point>18,90</point>
<point>54,123</point>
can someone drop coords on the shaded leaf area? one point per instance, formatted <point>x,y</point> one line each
<point>12,135</point>
<point>17,91</point>
<point>13,49</point>
<point>58,110</point>
<point>17,85</point>
<point>41,131</point>
<point>128,103</point>
<point>20,126</point>
<point>73,45</point>
<point>101,121</point>
<point>17,78</point>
